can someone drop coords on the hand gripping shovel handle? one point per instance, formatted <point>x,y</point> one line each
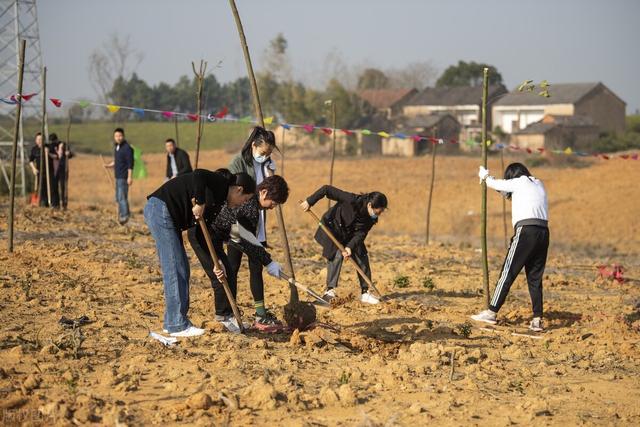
<point>341,248</point>
<point>216,263</point>
<point>303,288</point>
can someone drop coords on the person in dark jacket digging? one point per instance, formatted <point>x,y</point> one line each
<point>178,162</point>
<point>350,221</point>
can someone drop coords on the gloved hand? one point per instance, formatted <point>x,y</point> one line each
<point>482,173</point>
<point>274,269</point>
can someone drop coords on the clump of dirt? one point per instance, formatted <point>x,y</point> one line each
<point>300,315</point>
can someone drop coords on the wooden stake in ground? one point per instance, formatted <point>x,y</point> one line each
<point>504,205</point>
<point>340,247</point>
<point>216,263</point>
<point>258,109</point>
<point>282,151</point>
<point>483,216</point>
<point>109,177</point>
<point>200,78</point>
<point>433,178</point>
<point>14,147</point>
<point>333,145</point>
<point>67,148</point>
<point>44,156</point>
<point>175,124</point>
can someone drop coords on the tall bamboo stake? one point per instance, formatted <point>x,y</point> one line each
<point>258,109</point>
<point>282,151</point>
<point>42,177</point>
<point>483,227</point>
<point>14,148</point>
<point>504,205</point>
<point>433,178</point>
<point>200,78</point>
<point>333,147</point>
<point>175,124</point>
<point>45,137</point>
<point>67,148</point>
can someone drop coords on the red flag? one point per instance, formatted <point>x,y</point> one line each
<point>192,117</point>
<point>453,141</point>
<point>624,156</point>
<point>529,150</point>
<point>167,114</point>
<point>604,156</point>
<point>29,96</point>
<point>541,150</point>
<point>56,102</point>
<point>634,156</point>
<point>328,131</point>
<point>222,113</point>
<point>347,132</point>
<point>308,128</point>
<point>433,140</point>
<point>416,138</point>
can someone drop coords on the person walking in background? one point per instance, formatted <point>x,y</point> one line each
<point>178,162</point>
<point>529,244</point>
<point>62,176</point>
<point>123,170</point>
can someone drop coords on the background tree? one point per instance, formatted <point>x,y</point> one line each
<point>372,78</point>
<point>468,74</point>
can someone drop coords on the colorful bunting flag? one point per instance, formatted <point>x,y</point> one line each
<point>167,114</point>
<point>222,113</point>
<point>286,126</point>
<point>139,168</point>
<point>308,128</point>
<point>347,132</point>
<point>139,111</point>
<point>113,108</point>
<point>365,132</point>
<point>383,134</point>
<point>192,117</point>
<point>246,119</point>
<point>568,150</point>
<point>400,135</point>
<point>268,120</point>
<point>83,103</point>
<point>56,102</point>
<point>328,131</point>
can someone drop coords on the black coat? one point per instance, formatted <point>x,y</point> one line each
<point>182,163</point>
<point>348,220</point>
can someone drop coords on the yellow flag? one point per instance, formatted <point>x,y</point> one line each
<point>383,134</point>
<point>568,150</point>
<point>268,120</point>
<point>488,143</point>
<point>113,108</point>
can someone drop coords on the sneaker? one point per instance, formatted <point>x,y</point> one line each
<point>123,220</point>
<point>229,322</point>
<point>368,298</point>
<point>267,323</point>
<point>329,295</point>
<point>486,316</point>
<point>191,331</point>
<point>536,325</point>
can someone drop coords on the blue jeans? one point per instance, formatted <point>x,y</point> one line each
<point>174,264</point>
<point>122,197</point>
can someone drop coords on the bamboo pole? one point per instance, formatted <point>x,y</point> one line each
<point>333,147</point>
<point>14,148</point>
<point>282,150</point>
<point>433,178</point>
<point>64,198</point>
<point>504,205</point>
<point>483,227</point>
<point>44,157</point>
<point>258,109</point>
<point>175,124</point>
<point>200,77</point>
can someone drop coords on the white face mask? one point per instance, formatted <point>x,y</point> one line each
<point>260,158</point>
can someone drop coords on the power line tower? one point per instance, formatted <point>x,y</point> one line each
<point>18,21</point>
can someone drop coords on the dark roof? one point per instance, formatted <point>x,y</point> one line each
<point>451,96</point>
<point>561,93</point>
<point>424,121</point>
<point>551,122</point>
<point>384,98</point>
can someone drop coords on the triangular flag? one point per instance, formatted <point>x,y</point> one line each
<point>56,102</point>
<point>634,156</point>
<point>139,168</point>
<point>400,135</point>
<point>432,140</point>
<point>453,141</point>
<point>541,150</point>
<point>529,150</point>
<point>286,126</point>
<point>568,150</point>
<point>222,113</point>
<point>624,156</point>
<point>384,134</point>
<point>139,111</point>
<point>604,156</point>
<point>83,104</point>
<point>192,117</point>
<point>347,132</point>
<point>167,114</point>
<point>246,119</point>
<point>113,108</point>
<point>268,120</point>
<point>416,138</point>
<point>328,131</point>
<point>440,141</point>
<point>488,143</point>
<point>365,132</point>
<point>29,96</point>
<point>308,128</point>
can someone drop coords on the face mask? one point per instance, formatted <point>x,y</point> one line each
<point>373,216</point>
<point>260,158</point>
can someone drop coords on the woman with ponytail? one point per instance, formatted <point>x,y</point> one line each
<point>169,211</point>
<point>350,221</point>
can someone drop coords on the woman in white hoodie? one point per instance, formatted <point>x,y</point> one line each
<point>529,244</point>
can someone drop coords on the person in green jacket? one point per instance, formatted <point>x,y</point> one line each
<point>255,160</point>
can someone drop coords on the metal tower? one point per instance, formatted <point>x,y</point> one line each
<point>18,21</point>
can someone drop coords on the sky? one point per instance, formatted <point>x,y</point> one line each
<point>560,41</point>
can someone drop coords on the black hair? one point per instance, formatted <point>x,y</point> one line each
<point>377,200</point>
<point>241,179</point>
<point>259,136</point>
<point>170,140</point>
<point>513,171</point>
<point>53,137</point>
<point>38,134</point>
<point>277,188</point>
<point>119,130</point>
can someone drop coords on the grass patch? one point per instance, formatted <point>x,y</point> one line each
<point>401,281</point>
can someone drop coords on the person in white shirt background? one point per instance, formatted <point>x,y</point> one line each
<point>529,244</point>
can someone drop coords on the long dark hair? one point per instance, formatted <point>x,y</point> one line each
<point>241,179</point>
<point>259,136</point>
<point>513,171</point>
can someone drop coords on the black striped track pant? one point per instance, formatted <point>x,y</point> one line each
<point>528,249</point>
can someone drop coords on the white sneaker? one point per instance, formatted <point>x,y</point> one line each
<point>230,323</point>
<point>368,298</point>
<point>191,331</point>
<point>329,295</point>
<point>536,325</point>
<point>486,316</point>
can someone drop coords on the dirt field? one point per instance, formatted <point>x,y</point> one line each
<point>408,361</point>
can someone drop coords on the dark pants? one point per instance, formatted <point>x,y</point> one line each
<point>199,245</point>
<point>359,255</point>
<point>62,186</point>
<point>255,272</point>
<point>44,192</point>
<point>528,249</point>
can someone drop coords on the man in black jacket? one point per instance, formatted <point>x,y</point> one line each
<point>123,170</point>
<point>177,160</point>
